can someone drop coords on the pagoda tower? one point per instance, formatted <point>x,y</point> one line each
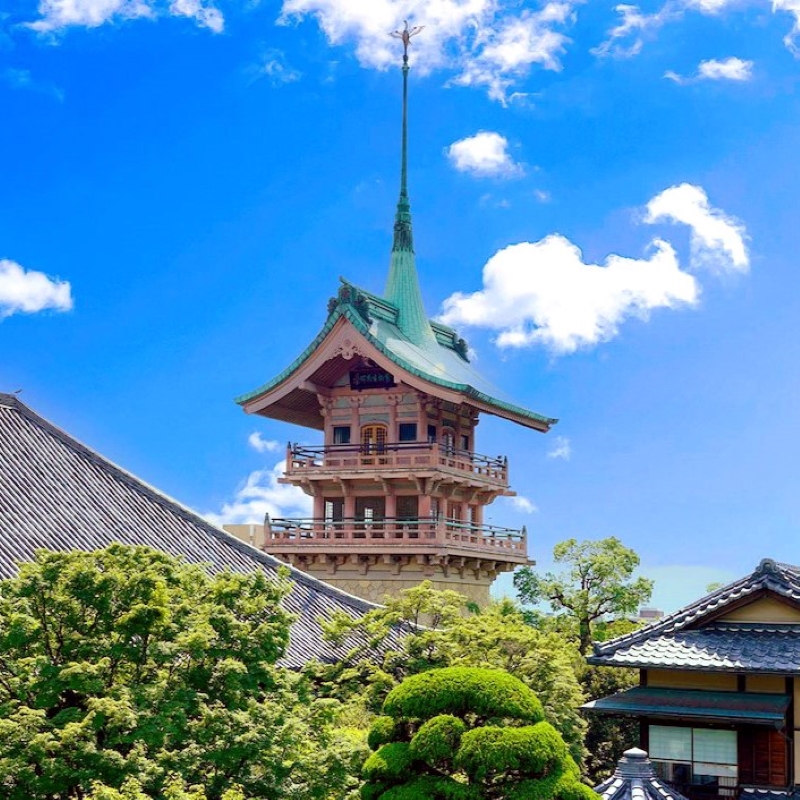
<point>399,489</point>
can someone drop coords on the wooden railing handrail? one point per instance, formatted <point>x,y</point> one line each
<point>310,524</point>
<point>375,449</point>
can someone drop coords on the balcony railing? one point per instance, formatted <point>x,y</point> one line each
<point>302,460</point>
<point>322,533</point>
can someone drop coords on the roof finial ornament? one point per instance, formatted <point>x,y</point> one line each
<point>403,239</point>
<point>405,36</point>
<point>402,287</point>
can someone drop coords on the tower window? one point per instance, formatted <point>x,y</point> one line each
<point>431,434</point>
<point>408,432</point>
<point>341,434</point>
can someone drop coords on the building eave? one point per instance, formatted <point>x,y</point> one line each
<point>481,400</point>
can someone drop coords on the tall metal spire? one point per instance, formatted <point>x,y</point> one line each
<point>402,286</point>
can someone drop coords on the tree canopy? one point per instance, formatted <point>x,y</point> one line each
<point>126,674</point>
<point>597,582</point>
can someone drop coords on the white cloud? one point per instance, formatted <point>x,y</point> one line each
<point>262,494</point>
<point>521,504</point>
<point>205,15</point>
<point>485,155</point>
<point>274,68</point>
<point>728,69</point>
<point>55,15</point>
<point>544,293</point>
<point>717,239</point>
<point>792,7</point>
<point>506,52</point>
<point>628,36</point>
<point>562,448</point>
<point>261,445</point>
<point>488,42</point>
<point>27,291</point>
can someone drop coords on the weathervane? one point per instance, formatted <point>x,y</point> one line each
<point>405,37</point>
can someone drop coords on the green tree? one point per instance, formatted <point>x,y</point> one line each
<point>126,671</point>
<point>607,737</point>
<point>497,636</point>
<point>597,583</point>
<point>466,733</point>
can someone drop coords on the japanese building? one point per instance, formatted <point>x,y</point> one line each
<point>398,484</point>
<point>719,694</point>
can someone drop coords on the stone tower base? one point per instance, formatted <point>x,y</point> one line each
<point>375,585</point>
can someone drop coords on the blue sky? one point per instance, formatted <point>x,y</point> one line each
<point>604,203</point>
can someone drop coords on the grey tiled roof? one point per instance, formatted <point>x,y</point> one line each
<point>691,639</point>
<point>58,494</point>
<point>719,647</point>
<point>757,793</point>
<point>635,779</point>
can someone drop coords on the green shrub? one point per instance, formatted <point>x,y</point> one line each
<point>383,730</point>
<point>489,694</point>
<point>437,741</point>
<point>431,787</point>
<point>562,784</point>
<point>390,763</point>
<point>533,750</point>
<point>372,791</point>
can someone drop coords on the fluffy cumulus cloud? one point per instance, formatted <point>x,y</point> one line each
<point>485,155</point>
<point>726,69</point>
<point>27,291</point>
<point>261,445</point>
<point>718,241</point>
<point>520,504</point>
<point>488,43</point>
<point>261,494</point>
<point>56,15</point>
<point>545,293</point>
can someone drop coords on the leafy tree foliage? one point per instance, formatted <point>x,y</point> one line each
<point>597,582</point>
<point>126,674</point>
<point>466,733</point>
<point>498,636</point>
<point>607,737</point>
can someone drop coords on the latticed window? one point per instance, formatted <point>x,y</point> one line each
<point>373,439</point>
<point>697,759</point>
<point>448,441</point>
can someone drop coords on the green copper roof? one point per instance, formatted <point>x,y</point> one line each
<point>440,360</point>
<point>691,705</point>
<point>402,285</point>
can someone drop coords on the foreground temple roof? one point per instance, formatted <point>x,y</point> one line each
<point>58,494</point>
<point>697,636</point>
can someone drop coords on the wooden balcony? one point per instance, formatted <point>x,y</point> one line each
<point>304,463</point>
<point>399,536</point>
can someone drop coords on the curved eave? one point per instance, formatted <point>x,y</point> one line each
<point>482,401</point>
